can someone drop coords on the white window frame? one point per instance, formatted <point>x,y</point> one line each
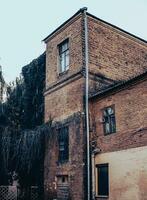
<point>63,56</point>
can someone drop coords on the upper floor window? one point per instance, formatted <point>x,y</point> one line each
<point>64,56</point>
<point>109,120</point>
<point>63,140</point>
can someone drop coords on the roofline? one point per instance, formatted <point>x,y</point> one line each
<point>119,86</point>
<point>93,16</point>
<point>81,10</point>
<point>116,27</point>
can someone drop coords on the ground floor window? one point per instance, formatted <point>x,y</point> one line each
<point>102,179</point>
<point>63,139</point>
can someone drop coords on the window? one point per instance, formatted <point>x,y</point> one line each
<point>63,139</point>
<point>62,179</point>
<point>109,120</point>
<point>103,180</point>
<point>64,56</point>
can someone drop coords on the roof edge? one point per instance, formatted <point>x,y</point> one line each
<point>116,27</point>
<point>82,10</point>
<point>119,86</point>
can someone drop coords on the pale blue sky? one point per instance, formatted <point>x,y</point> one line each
<point>24,23</point>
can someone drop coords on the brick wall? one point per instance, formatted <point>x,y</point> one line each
<point>74,169</point>
<point>65,101</point>
<point>64,104</point>
<point>73,30</point>
<point>113,53</point>
<point>131,114</point>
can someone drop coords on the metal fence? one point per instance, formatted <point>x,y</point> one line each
<point>8,193</point>
<point>34,193</point>
<point>14,193</point>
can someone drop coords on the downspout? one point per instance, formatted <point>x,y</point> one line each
<point>93,176</point>
<point>86,100</point>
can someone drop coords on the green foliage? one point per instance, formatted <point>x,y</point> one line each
<point>13,107</point>
<point>2,84</point>
<point>34,84</point>
<point>24,154</point>
<point>22,132</point>
<point>24,108</point>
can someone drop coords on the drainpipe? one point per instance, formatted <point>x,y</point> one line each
<point>93,176</point>
<point>86,100</point>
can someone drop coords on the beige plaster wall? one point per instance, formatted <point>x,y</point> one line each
<point>127,173</point>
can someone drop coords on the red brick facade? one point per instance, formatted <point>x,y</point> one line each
<point>113,56</point>
<point>130,105</point>
<point>64,104</point>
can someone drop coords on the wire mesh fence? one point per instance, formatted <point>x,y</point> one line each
<point>15,193</point>
<point>8,193</point>
<point>34,193</point>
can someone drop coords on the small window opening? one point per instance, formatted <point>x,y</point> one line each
<point>109,120</point>
<point>64,56</point>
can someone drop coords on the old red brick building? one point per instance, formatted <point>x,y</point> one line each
<point>117,88</point>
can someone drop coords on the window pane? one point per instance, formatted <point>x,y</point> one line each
<point>67,59</point>
<point>64,56</point>
<point>62,63</point>
<point>109,120</point>
<point>63,144</point>
<point>110,110</point>
<point>113,124</point>
<point>103,182</point>
<point>107,128</point>
<point>64,47</point>
<point>60,50</point>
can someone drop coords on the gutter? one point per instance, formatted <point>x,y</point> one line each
<point>87,99</point>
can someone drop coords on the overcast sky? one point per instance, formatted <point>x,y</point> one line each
<point>24,23</point>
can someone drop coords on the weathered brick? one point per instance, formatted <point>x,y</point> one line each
<point>113,56</point>
<point>131,114</point>
<point>113,53</point>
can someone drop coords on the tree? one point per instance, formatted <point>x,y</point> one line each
<point>22,128</point>
<point>2,84</point>
<point>33,99</point>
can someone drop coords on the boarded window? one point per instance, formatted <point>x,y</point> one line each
<point>64,56</point>
<point>63,139</point>
<point>109,120</point>
<point>103,180</point>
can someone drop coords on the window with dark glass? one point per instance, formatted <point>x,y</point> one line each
<point>64,56</point>
<point>109,120</point>
<point>63,139</point>
<point>103,180</point>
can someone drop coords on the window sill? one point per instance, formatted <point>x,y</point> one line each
<point>102,196</point>
<point>106,134</point>
<point>63,73</point>
<point>62,162</point>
